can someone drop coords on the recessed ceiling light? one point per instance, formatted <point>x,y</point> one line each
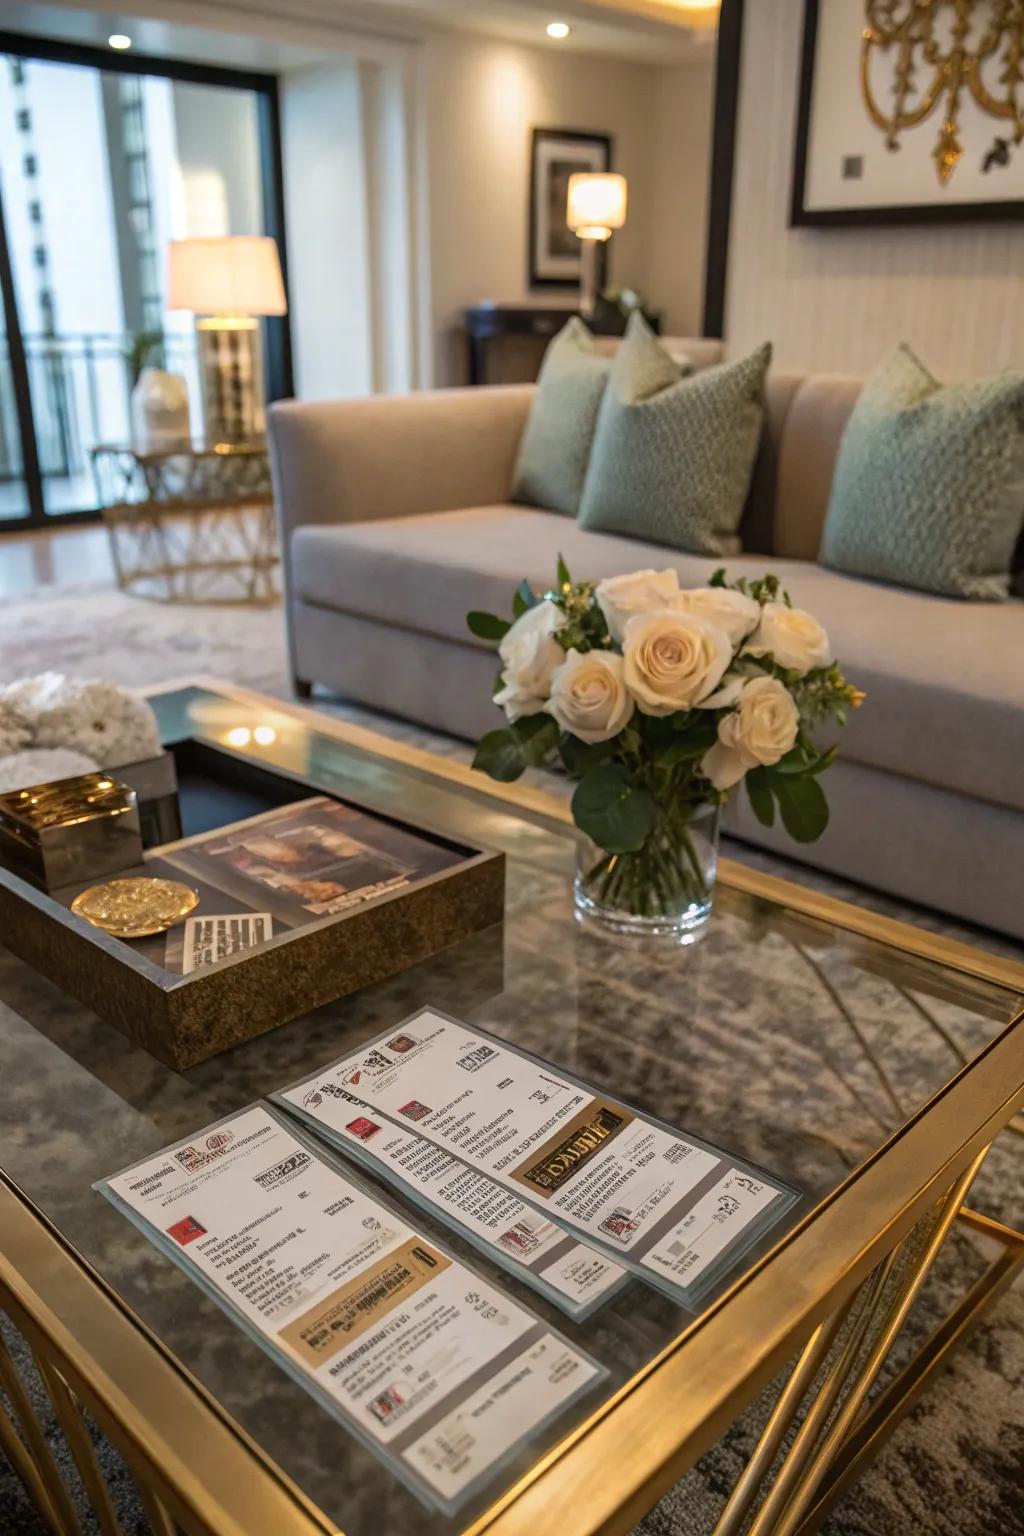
<point>119,40</point>
<point>558,29</point>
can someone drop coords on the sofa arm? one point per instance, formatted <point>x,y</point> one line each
<point>394,455</point>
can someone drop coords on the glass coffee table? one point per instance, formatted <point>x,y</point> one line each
<point>865,1062</point>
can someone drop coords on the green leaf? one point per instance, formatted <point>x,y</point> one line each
<point>796,760</point>
<point>564,579</point>
<point>580,756</point>
<point>825,760</point>
<point>523,598</point>
<point>612,810</point>
<point>717,578</point>
<point>487,626</point>
<point>537,735</point>
<point>760,796</point>
<point>500,754</point>
<point>803,806</point>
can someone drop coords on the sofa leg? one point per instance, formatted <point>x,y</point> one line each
<point>302,689</point>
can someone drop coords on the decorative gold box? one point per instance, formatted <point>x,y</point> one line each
<point>70,830</point>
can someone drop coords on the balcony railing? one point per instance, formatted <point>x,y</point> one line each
<point>80,386</point>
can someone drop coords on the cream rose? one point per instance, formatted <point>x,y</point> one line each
<point>759,732</point>
<point>621,597</point>
<point>530,653</point>
<point>732,611</point>
<point>794,638</point>
<point>589,696</point>
<point>673,660</point>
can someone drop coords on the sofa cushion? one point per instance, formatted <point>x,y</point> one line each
<point>555,450</point>
<point>944,679</point>
<point>929,483</point>
<point>673,455</point>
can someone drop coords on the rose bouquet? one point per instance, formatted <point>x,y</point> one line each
<point>659,701</point>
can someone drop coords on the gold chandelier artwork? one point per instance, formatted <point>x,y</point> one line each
<point>943,53</point>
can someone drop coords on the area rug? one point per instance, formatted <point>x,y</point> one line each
<point>954,1467</point>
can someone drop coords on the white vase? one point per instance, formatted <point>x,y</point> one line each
<point>159,410</point>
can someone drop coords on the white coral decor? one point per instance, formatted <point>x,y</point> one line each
<point>15,732</point>
<point>19,770</point>
<point>109,724</point>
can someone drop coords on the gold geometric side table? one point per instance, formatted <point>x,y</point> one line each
<point>192,522</point>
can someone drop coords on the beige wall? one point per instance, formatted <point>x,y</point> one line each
<point>837,299</point>
<point>480,99</point>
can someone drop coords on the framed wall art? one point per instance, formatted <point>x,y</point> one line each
<point>910,111</point>
<point>555,154</point>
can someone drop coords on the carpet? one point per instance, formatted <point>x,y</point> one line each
<point>953,1468</point>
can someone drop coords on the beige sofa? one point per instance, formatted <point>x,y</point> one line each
<point>395,520</point>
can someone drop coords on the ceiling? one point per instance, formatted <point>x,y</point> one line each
<point>262,34</point>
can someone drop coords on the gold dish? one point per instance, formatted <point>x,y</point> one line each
<point>135,907</point>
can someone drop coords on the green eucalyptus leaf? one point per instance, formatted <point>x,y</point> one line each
<point>523,598</point>
<point>500,754</point>
<point>537,736</point>
<point>487,626</point>
<point>612,810</point>
<point>802,805</point>
<point>579,756</point>
<point>760,796</point>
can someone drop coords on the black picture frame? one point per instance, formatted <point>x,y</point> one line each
<point>924,213</point>
<point>601,144</point>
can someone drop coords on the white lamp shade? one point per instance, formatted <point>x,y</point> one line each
<point>228,275</point>
<point>597,204</point>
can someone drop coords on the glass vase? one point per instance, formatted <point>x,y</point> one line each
<point>666,889</point>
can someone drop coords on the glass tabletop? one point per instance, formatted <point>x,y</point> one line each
<point>787,1040</point>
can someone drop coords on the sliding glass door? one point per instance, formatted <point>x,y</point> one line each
<point>103,160</point>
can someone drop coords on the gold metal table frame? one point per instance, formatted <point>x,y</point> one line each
<point>828,1302</point>
<point>191,523</point>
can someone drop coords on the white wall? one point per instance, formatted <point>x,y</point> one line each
<point>681,157</point>
<point>838,299</point>
<point>327,231</point>
<point>480,99</point>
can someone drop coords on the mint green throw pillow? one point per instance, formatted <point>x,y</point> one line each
<point>555,449</point>
<point>928,490</point>
<point>674,452</point>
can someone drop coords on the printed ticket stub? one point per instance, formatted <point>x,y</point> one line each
<point>214,937</point>
<point>667,1205</point>
<point>510,1230</point>
<point>436,1368</point>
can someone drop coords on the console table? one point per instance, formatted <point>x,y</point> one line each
<point>489,323</point>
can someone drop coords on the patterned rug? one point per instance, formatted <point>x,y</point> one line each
<point>955,1467</point>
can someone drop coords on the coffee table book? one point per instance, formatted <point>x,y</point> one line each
<point>239,818</point>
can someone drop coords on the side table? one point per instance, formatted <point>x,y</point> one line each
<point>191,522</point>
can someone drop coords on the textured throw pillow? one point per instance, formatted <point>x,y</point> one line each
<point>673,453</point>
<point>929,484</point>
<point>555,450</point>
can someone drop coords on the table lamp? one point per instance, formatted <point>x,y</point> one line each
<point>596,206</point>
<point>228,280</point>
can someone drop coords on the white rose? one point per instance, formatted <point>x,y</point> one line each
<point>794,638</point>
<point>732,611</point>
<point>530,653</point>
<point>589,696</point>
<point>620,597</point>
<point>761,731</point>
<point>673,660</point>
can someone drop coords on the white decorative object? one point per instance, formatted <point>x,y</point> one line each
<point>15,731</point>
<point>111,725</point>
<point>42,765</point>
<point>159,410</point>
